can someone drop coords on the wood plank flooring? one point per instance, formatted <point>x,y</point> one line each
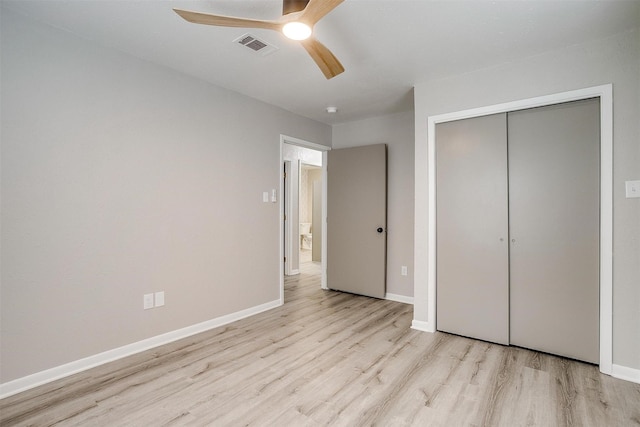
<point>328,358</point>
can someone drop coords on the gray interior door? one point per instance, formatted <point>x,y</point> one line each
<point>554,204</point>
<point>472,228</point>
<point>357,219</point>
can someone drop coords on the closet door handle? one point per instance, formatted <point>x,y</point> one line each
<point>380,230</point>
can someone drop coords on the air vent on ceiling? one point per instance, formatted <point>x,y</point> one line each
<point>259,46</point>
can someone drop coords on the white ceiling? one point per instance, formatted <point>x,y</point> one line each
<point>386,46</point>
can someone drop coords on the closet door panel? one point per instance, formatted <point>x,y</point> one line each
<point>472,241</point>
<point>554,228</point>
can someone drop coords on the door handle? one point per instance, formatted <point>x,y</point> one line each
<point>380,230</point>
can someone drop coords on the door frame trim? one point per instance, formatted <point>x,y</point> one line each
<point>428,242</point>
<point>284,139</point>
<point>289,228</point>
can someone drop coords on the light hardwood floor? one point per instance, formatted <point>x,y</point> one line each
<point>328,358</point>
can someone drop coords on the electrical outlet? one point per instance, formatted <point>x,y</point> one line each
<point>159,297</point>
<point>148,301</point>
<point>403,270</point>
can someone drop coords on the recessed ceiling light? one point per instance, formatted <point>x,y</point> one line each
<point>332,110</point>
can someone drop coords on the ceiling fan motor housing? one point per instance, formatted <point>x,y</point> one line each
<point>289,6</point>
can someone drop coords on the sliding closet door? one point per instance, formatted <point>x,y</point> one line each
<point>472,241</point>
<point>554,227</point>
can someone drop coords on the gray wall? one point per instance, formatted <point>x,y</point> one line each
<point>397,131</point>
<point>613,60</point>
<point>121,178</point>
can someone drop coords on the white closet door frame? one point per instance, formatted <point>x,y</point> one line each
<point>605,93</point>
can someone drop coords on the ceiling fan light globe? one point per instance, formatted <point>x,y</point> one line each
<point>296,31</point>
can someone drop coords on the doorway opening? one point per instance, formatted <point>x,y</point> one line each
<point>310,210</point>
<point>303,209</point>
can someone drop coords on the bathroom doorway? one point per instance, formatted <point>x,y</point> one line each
<point>303,209</point>
<point>310,208</point>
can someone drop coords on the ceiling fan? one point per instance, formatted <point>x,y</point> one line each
<point>297,21</point>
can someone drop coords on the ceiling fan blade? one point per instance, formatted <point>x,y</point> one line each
<point>289,6</point>
<point>326,61</point>
<point>226,21</point>
<point>317,9</point>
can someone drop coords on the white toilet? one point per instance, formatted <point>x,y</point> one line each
<point>305,235</point>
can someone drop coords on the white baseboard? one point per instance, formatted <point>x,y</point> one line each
<point>423,326</point>
<point>43,377</point>
<point>626,373</point>
<point>399,298</point>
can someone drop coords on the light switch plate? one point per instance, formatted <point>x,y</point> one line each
<point>632,189</point>
<point>148,301</point>
<point>265,196</point>
<point>159,297</point>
